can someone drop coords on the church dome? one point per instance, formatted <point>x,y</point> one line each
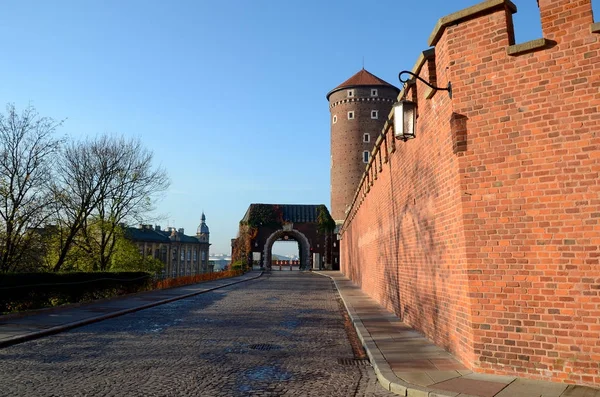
<point>203,228</point>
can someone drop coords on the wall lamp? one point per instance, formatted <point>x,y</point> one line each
<point>405,111</point>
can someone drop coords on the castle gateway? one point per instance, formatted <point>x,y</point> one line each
<point>311,226</point>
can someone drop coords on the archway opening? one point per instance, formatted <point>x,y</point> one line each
<point>285,254</point>
<point>304,259</point>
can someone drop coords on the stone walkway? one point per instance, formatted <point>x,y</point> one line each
<point>405,362</point>
<point>408,364</point>
<point>281,334</point>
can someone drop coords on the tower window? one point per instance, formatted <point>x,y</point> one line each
<point>366,155</point>
<point>366,138</point>
<point>374,114</point>
<point>351,115</point>
<point>334,118</point>
<point>350,93</point>
<point>374,92</point>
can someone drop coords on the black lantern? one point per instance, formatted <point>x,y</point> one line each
<point>405,111</point>
<point>405,119</point>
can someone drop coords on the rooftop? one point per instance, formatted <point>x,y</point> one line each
<point>362,79</point>
<point>295,213</point>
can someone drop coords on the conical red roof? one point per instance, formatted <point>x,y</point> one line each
<point>361,79</point>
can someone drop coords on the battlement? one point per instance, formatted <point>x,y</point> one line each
<point>558,17</point>
<point>486,232</point>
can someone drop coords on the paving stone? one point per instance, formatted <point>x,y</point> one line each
<point>491,378</point>
<point>537,388</point>
<point>580,391</point>
<point>440,376</point>
<point>416,378</point>
<point>447,364</point>
<point>411,366</point>
<point>473,387</point>
<point>397,357</point>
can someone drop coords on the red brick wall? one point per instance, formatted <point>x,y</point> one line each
<point>483,231</point>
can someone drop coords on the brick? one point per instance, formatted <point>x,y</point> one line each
<point>490,216</point>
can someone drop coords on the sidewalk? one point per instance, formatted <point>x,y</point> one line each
<point>18,328</point>
<point>408,364</point>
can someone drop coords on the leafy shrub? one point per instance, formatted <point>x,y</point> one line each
<point>28,291</point>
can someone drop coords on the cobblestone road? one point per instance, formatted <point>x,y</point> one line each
<point>279,335</point>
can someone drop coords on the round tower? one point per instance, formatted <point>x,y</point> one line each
<point>359,108</point>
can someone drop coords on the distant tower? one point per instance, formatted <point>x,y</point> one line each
<point>359,108</point>
<point>203,233</point>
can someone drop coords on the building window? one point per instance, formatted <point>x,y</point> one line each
<point>373,92</point>
<point>183,254</point>
<point>195,254</point>
<point>350,93</point>
<point>174,254</point>
<point>189,254</point>
<point>351,115</point>
<point>374,114</point>
<point>366,155</point>
<point>366,138</point>
<point>203,256</point>
<point>334,118</point>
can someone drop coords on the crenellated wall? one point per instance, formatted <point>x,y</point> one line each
<point>483,232</point>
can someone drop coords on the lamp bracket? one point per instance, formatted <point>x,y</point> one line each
<point>408,81</point>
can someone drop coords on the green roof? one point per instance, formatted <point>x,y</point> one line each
<point>156,236</point>
<point>295,213</point>
<point>148,235</point>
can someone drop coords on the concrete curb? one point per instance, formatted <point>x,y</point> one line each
<point>65,327</point>
<point>385,375</point>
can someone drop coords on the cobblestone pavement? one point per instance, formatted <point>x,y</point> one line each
<point>279,335</point>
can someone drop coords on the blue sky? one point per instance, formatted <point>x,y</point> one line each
<point>229,94</point>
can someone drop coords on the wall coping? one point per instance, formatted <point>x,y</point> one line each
<point>595,28</point>
<point>466,14</point>
<point>528,46</point>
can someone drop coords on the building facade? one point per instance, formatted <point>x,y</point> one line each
<point>181,254</point>
<point>359,108</point>
<point>304,223</point>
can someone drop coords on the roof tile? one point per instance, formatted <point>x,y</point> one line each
<point>362,78</point>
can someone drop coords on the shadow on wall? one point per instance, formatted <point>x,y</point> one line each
<point>414,283</point>
<point>354,270</point>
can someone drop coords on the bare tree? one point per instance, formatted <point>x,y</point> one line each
<point>103,183</point>
<point>27,151</point>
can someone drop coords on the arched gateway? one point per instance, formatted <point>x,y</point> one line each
<point>288,235</point>
<point>309,225</point>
